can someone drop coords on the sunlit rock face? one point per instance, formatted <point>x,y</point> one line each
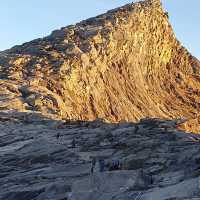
<point>120,66</point>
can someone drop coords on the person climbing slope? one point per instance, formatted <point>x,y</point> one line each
<point>101,165</point>
<point>73,144</point>
<point>93,165</point>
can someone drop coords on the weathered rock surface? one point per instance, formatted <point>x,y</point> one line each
<point>35,165</point>
<point>123,65</point>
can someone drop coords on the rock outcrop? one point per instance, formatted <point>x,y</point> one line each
<point>123,65</point>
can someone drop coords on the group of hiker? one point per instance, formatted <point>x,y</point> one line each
<point>105,166</point>
<point>115,164</point>
<point>98,163</point>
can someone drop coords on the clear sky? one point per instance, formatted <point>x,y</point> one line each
<point>25,20</point>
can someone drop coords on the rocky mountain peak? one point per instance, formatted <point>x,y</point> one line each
<point>123,65</point>
<point>116,88</point>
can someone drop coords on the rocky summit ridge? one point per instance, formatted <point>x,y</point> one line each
<point>119,86</point>
<point>120,66</point>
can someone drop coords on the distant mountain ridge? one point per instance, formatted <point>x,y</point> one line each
<point>123,65</point>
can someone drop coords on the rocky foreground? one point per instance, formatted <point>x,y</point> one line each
<point>36,164</point>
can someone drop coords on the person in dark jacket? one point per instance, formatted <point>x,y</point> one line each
<point>101,165</point>
<point>58,136</point>
<point>73,143</point>
<point>93,165</point>
<point>116,165</point>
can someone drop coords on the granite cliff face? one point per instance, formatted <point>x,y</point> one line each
<point>123,65</point>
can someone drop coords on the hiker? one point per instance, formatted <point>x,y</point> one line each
<point>147,178</point>
<point>115,165</point>
<point>151,179</point>
<point>93,165</point>
<point>101,165</point>
<point>118,165</point>
<point>73,143</point>
<point>112,166</point>
<point>108,165</point>
<point>58,136</point>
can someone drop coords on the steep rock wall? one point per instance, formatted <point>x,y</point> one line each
<point>123,65</point>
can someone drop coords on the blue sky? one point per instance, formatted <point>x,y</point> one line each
<point>24,20</point>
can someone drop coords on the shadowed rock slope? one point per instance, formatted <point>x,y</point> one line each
<point>123,65</point>
<point>35,165</point>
